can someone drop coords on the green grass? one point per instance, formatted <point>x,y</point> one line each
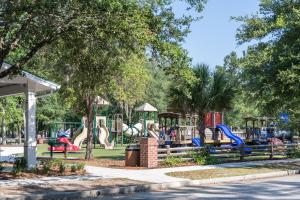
<point>235,171</point>
<point>118,153</point>
<point>218,173</point>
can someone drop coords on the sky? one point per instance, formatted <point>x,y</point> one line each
<point>213,36</point>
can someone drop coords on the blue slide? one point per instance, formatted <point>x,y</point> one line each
<point>196,142</point>
<point>238,141</point>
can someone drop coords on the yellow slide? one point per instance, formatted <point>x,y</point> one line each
<point>103,138</point>
<point>80,137</point>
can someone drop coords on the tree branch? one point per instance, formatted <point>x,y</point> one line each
<point>15,68</point>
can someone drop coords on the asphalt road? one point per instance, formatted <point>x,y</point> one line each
<point>276,188</point>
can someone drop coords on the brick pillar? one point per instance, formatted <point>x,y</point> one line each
<point>148,152</point>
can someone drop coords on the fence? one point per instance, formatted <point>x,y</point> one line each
<point>241,153</point>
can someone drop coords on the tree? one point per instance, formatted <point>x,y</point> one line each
<point>158,87</point>
<point>11,115</point>
<point>130,86</point>
<point>241,105</point>
<point>203,92</point>
<point>28,26</point>
<point>86,62</point>
<point>270,68</point>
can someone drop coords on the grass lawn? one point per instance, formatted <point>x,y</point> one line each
<point>118,153</point>
<point>235,171</point>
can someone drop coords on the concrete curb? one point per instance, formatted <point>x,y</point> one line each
<point>148,187</point>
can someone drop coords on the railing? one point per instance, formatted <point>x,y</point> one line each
<point>230,153</point>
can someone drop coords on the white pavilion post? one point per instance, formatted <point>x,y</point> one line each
<point>30,134</point>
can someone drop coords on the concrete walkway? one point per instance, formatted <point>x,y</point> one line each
<point>159,175</point>
<point>7,153</point>
<point>145,175</point>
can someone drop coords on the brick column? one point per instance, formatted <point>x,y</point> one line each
<point>148,152</point>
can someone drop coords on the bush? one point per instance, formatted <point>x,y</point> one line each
<point>80,166</point>
<point>294,153</point>
<point>19,165</point>
<point>46,166</point>
<point>56,162</point>
<point>34,170</point>
<point>203,157</point>
<point>74,168</point>
<point>1,167</point>
<point>172,161</point>
<point>62,167</point>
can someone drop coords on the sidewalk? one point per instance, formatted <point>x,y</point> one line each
<point>7,152</point>
<point>158,175</point>
<point>144,175</point>
<point>103,182</point>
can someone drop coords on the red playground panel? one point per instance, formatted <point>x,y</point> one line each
<point>210,117</point>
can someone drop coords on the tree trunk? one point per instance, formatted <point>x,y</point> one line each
<point>89,147</point>
<point>202,127</point>
<point>129,114</point>
<point>126,111</point>
<point>19,133</point>
<point>3,131</point>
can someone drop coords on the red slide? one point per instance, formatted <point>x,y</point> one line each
<point>64,140</point>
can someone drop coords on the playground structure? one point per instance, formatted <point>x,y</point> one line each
<point>178,129</point>
<point>217,133</point>
<point>262,128</point>
<point>62,144</point>
<point>215,128</point>
<point>101,132</point>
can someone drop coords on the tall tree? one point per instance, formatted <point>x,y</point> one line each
<point>271,67</point>
<point>131,83</point>
<point>203,92</point>
<point>26,26</point>
<point>87,61</point>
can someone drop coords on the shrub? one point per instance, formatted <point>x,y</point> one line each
<point>56,162</point>
<point>19,165</point>
<point>80,166</point>
<point>35,170</point>
<point>294,153</point>
<point>1,167</point>
<point>172,161</point>
<point>46,166</point>
<point>74,168</point>
<point>203,157</point>
<point>62,167</point>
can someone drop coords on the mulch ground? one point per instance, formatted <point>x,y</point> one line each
<point>30,175</point>
<point>7,175</point>
<point>10,191</point>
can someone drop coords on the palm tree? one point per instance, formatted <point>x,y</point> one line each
<point>209,91</point>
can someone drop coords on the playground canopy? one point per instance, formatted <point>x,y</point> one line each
<point>101,101</point>
<point>146,108</point>
<point>33,87</point>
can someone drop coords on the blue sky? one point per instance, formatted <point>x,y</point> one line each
<point>213,37</point>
